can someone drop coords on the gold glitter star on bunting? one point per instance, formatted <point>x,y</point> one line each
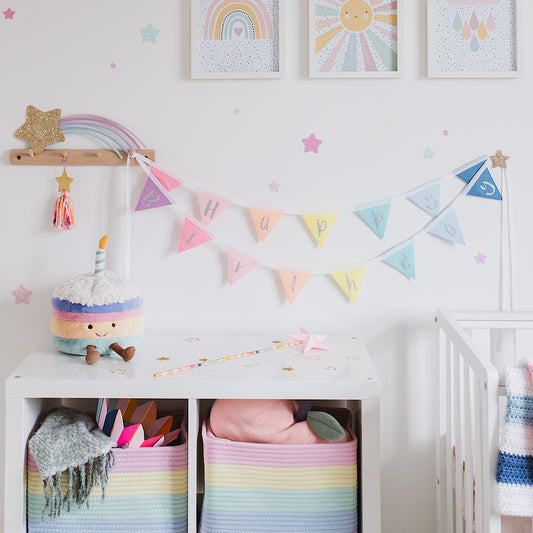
<point>64,181</point>
<point>163,358</point>
<point>41,128</point>
<point>499,160</point>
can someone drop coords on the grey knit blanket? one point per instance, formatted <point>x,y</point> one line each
<point>69,442</point>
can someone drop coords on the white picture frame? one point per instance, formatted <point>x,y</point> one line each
<point>359,46</point>
<point>248,42</point>
<point>474,38</point>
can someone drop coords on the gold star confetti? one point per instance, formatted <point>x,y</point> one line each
<point>288,368</point>
<point>163,358</point>
<point>119,371</point>
<point>192,339</point>
<point>276,342</point>
<point>203,359</point>
<point>499,160</point>
<point>41,128</point>
<point>64,181</point>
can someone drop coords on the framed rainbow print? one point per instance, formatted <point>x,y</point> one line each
<point>474,38</point>
<point>237,39</point>
<point>354,38</point>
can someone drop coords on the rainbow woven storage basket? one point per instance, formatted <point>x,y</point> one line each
<point>147,492</point>
<point>266,488</point>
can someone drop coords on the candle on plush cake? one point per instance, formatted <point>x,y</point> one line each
<point>97,313</point>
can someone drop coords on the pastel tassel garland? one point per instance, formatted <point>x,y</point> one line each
<point>64,212</point>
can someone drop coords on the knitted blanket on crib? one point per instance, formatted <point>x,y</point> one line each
<point>514,475</point>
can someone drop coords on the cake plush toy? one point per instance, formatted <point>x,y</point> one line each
<point>97,314</point>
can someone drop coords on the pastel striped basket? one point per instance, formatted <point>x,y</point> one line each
<point>147,492</point>
<point>263,488</point>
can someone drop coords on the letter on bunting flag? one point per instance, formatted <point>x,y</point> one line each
<point>403,260</point>
<point>264,221</point>
<point>239,265</point>
<point>350,281</point>
<point>467,174</point>
<point>151,197</point>
<point>211,207</point>
<point>320,225</point>
<point>485,187</point>
<point>167,181</point>
<point>428,199</point>
<point>193,234</point>
<point>293,282</point>
<point>376,217</point>
<point>449,228</point>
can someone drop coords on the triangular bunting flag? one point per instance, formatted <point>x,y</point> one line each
<point>193,234</point>
<point>485,187</point>
<point>404,260</point>
<point>239,265</point>
<point>293,282</point>
<point>350,281</point>
<point>428,199</point>
<point>320,226</point>
<point>151,197</point>
<point>167,181</point>
<point>449,228</point>
<point>211,207</point>
<point>469,173</point>
<point>376,217</point>
<point>264,221</point>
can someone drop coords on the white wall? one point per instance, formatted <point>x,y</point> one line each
<point>57,54</point>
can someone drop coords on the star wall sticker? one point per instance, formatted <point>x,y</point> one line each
<point>149,34</point>
<point>499,160</point>
<point>310,341</point>
<point>274,186</point>
<point>22,295</point>
<point>113,66</point>
<point>480,258</point>
<point>428,153</point>
<point>8,14</point>
<point>311,144</point>
<point>41,128</point>
<point>64,182</point>
<point>445,133</point>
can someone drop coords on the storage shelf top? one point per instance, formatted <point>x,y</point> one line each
<point>344,372</point>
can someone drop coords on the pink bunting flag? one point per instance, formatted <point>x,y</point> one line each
<point>166,180</point>
<point>293,282</point>
<point>193,234</point>
<point>239,265</point>
<point>152,197</point>
<point>211,207</point>
<point>264,221</point>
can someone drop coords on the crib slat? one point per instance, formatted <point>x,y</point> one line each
<point>458,433</point>
<point>449,436</point>
<point>468,471</point>
<point>480,447</point>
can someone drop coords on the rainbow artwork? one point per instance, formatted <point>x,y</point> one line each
<point>237,36</point>
<point>351,36</point>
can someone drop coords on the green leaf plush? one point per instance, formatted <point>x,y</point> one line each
<point>325,426</point>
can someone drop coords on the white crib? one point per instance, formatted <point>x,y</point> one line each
<point>473,350</point>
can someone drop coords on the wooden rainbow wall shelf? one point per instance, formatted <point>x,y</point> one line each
<point>75,157</point>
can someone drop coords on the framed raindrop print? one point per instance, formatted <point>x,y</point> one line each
<point>474,38</point>
<point>237,39</point>
<point>355,38</point>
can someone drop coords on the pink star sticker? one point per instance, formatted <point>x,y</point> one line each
<point>310,341</point>
<point>480,258</point>
<point>8,14</point>
<point>274,186</point>
<point>22,295</point>
<point>445,133</point>
<point>311,144</point>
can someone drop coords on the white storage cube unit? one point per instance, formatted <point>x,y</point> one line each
<point>342,376</point>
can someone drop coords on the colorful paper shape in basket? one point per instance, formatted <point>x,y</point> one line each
<point>97,314</point>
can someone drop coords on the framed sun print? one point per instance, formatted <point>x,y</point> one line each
<point>237,39</point>
<point>355,38</point>
<point>474,38</point>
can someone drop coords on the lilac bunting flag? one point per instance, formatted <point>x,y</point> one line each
<point>152,197</point>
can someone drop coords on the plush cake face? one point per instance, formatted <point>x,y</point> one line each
<point>96,310</point>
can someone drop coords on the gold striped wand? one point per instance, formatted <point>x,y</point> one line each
<point>227,358</point>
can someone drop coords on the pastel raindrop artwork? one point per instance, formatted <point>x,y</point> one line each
<point>477,36</point>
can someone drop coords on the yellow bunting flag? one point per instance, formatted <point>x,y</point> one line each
<point>293,282</point>
<point>350,281</point>
<point>264,221</point>
<point>319,225</point>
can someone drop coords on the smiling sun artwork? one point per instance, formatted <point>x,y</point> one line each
<point>353,37</point>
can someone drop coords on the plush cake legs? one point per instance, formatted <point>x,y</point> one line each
<point>126,353</point>
<point>92,355</point>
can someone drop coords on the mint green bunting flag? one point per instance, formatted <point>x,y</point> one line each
<point>376,217</point>
<point>403,260</point>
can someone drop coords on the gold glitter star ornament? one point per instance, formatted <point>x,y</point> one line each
<point>41,128</point>
<point>499,160</point>
<point>64,181</point>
